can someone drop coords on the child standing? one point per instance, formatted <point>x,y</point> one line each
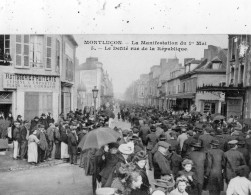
<point>187,164</point>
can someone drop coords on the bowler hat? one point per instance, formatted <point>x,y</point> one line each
<point>113,145</point>
<point>196,144</point>
<point>162,137</point>
<point>190,132</point>
<point>241,141</point>
<point>36,117</point>
<point>215,142</point>
<point>40,126</point>
<point>43,114</point>
<point>153,128</point>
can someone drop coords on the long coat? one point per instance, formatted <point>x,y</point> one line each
<point>233,160</point>
<point>144,131</point>
<point>151,140</point>
<point>110,162</point>
<point>72,143</point>
<point>215,162</point>
<point>145,186</point>
<point>161,165</point>
<point>199,160</point>
<point>206,140</point>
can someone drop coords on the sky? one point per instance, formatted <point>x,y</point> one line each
<point>125,66</point>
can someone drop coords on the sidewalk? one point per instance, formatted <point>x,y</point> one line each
<point>8,164</point>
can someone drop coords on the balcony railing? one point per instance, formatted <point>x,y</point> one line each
<point>5,59</point>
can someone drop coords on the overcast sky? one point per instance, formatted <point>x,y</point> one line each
<point>125,66</point>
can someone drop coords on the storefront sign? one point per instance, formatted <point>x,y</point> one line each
<point>14,81</point>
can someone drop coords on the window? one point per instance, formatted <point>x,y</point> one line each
<point>57,56</point>
<point>36,51</point>
<point>48,52</point>
<point>5,58</point>
<point>69,69</point>
<point>22,51</point>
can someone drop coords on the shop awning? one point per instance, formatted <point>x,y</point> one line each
<point>182,96</point>
<point>229,91</point>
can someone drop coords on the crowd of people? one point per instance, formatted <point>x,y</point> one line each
<point>43,139</point>
<point>188,153</point>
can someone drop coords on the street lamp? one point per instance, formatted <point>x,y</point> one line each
<point>95,95</point>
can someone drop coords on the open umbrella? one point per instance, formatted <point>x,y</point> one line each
<point>218,117</point>
<point>214,115</point>
<point>98,138</point>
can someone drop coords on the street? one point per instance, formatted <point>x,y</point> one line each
<point>60,179</point>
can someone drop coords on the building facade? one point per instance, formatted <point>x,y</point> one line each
<point>31,68</point>
<point>89,75</point>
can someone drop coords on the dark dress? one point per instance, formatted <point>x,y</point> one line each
<point>215,161</point>
<point>145,187</point>
<point>199,160</point>
<point>161,165</point>
<point>110,162</point>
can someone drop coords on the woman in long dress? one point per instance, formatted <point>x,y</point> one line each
<point>33,141</point>
<point>64,145</point>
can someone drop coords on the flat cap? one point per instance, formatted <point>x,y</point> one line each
<point>164,144</point>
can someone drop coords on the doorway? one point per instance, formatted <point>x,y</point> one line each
<point>5,108</point>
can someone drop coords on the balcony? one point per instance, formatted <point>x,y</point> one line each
<point>5,59</point>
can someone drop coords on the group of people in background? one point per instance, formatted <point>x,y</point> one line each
<point>188,153</point>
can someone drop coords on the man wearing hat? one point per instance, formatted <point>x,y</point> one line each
<point>242,148</point>
<point>206,139</point>
<point>50,136</point>
<point>233,160</point>
<point>57,142</point>
<point>144,131</point>
<point>160,163</point>
<point>182,137</point>
<point>199,158</point>
<point>16,139</point>
<point>72,143</point>
<point>187,144</point>
<point>34,123</point>
<point>43,146</point>
<point>215,159</point>
<point>151,140</point>
<point>23,141</point>
<point>43,121</point>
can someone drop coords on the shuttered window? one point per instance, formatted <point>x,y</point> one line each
<point>48,52</point>
<point>22,51</point>
<point>26,50</point>
<point>57,56</point>
<point>18,50</point>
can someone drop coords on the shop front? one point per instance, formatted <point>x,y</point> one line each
<point>32,94</point>
<point>66,98</point>
<point>5,102</point>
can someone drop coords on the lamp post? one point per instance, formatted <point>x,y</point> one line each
<point>95,95</point>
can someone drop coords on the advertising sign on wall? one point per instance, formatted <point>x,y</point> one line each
<point>25,81</point>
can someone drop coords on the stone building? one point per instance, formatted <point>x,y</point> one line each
<point>89,75</point>
<point>35,70</point>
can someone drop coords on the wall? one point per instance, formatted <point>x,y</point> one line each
<point>209,79</point>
